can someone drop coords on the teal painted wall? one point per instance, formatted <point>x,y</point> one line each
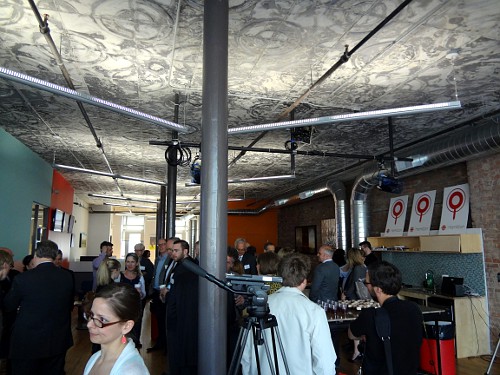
<point>24,178</point>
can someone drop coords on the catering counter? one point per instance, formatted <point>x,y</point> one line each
<point>469,315</point>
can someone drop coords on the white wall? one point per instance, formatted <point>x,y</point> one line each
<point>99,229</point>
<point>81,214</point>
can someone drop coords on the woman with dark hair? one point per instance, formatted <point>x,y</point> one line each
<point>115,310</point>
<point>267,264</point>
<point>133,276</point>
<point>28,263</point>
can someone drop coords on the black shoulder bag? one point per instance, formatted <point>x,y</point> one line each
<point>383,327</point>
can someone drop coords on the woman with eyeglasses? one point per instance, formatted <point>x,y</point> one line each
<point>114,312</point>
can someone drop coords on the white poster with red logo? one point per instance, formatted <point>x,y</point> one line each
<point>455,209</point>
<point>396,217</point>
<point>421,213</point>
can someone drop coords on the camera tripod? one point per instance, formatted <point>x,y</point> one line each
<point>257,325</point>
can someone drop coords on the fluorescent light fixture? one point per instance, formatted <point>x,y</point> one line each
<point>127,205</point>
<point>253,179</point>
<point>280,202</point>
<point>82,97</point>
<point>197,201</point>
<point>98,173</point>
<point>123,198</point>
<point>310,193</point>
<point>348,117</point>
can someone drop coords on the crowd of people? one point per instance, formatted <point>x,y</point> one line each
<point>35,342</point>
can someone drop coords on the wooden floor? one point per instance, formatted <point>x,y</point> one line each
<point>78,355</point>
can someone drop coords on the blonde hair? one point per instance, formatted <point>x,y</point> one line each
<point>103,276</point>
<point>354,258</point>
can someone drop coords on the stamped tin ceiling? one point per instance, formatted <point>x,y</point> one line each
<point>141,53</point>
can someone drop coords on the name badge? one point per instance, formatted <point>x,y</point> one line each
<point>246,266</point>
<point>142,268</point>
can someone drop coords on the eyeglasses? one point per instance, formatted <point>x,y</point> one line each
<point>97,322</point>
<point>366,282</point>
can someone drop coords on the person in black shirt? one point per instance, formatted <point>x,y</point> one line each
<point>383,280</point>
<point>370,256</point>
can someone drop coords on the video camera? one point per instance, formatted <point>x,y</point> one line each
<point>256,287</point>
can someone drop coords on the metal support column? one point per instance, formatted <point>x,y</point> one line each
<point>172,179</point>
<point>213,239</point>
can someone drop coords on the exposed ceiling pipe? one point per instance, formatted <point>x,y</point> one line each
<point>474,142</point>
<point>337,189</point>
<point>43,25</point>
<point>343,59</point>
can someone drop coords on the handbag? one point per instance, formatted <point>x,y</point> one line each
<point>361,290</point>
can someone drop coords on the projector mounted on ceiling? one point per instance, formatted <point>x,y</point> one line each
<point>389,183</point>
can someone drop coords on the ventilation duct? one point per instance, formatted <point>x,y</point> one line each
<point>470,143</point>
<point>337,189</point>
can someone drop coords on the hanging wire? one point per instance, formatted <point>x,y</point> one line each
<point>177,155</point>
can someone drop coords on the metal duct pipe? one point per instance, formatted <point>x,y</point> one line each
<point>473,142</point>
<point>337,189</point>
<point>359,204</point>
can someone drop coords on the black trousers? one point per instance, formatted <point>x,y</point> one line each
<point>41,366</point>
<point>159,310</point>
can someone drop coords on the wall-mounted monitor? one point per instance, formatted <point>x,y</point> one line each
<point>58,220</point>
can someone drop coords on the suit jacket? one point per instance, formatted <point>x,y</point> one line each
<point>159,263</point>
<point>325,283</point>
<point>249,264</point>
<point>44,297</point>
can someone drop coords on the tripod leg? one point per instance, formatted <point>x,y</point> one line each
<point>282,349</point>
<point>493,357</point>
<point>275,368</point>
<point>238,350</point>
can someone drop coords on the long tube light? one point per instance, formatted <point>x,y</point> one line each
<point>253,179</point>
<point>82,97</point>
<point>127,205</point>
<point>98,173</point>
<point>104,196</point>
<point>122,198</point>
<point>348,117</point>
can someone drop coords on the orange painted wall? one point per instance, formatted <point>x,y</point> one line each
<point>62,193</point>
<point>256,229</point>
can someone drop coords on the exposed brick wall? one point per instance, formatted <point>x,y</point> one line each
<point>484,181</point>
<point>311,212</point>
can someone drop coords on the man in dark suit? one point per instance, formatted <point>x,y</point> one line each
<point>247,258</point>
<point>42,330</point>
<point>158,308</point>
<point>182,314</point>
<point>325,282</point>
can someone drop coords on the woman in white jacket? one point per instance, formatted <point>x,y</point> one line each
<point>114,312</point>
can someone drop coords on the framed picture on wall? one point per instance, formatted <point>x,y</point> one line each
<point>328,232</point>
<point>83,240</point>
<point>305,239</point>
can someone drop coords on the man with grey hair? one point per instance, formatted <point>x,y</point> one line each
<point>42,330</point>
<point>325,282</point>
<point>147,267</point>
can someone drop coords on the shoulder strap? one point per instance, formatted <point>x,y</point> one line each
<point>383,327</point>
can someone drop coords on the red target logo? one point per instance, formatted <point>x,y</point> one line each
<point>397,210</point>
<point>455,201</point>
<point>422,206</point>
